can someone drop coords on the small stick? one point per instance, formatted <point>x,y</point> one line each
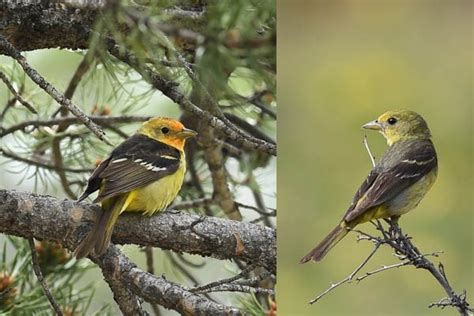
<point>39,275</point>
<point>366,144</point>
<point>349,278</point>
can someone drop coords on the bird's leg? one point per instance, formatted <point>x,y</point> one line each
<point>394,229</point>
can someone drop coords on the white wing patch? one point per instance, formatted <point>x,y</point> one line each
<point>149,165</point>
<point>119,160</point>
<point>168,157</point>
<point>419,163</point>
<point>405,176</point>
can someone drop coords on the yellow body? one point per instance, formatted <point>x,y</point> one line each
<point>403,203</point>
<point>156,196</point>
<point>131,196</point>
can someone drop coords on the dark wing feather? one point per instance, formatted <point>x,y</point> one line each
<point>135,163</point>
<point>403,165</point>
<point>93,184</point>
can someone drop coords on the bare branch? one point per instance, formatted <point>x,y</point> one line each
<point>234,287</point>
<point>69,120</point>
<point>42,281</point>
<point>169,89</point>
<point>349,278</point>
<point>16,94</point>
<point>157,289</point>
<point>41,164</point>
<point>366,144</point>
<point>47,218</point>
<point>211,285</point>
<point>8,48</point>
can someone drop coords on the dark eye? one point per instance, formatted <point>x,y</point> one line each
<point>392,121</point>
<point>165,130</point>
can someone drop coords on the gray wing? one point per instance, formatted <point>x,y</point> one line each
<point>412,161</point>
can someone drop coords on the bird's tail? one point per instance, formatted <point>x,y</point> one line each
<point>324,246</point>
<point>98,238</point>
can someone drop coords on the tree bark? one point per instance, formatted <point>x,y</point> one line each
<point>44,217</point>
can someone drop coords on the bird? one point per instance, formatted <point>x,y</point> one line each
<point>397,183</point>
<point>142,174</point>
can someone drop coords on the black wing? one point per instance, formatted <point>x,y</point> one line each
<point>135,163</point>
<point>401,166</point>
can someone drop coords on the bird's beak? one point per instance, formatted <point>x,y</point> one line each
<point>186,133</point>
<point>375,125</point>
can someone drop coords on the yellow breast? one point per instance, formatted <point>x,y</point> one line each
<point>158,195</point>
<point>409,199</point>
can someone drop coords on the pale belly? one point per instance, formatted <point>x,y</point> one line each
<point>410,198</point>
<point>157,196</point>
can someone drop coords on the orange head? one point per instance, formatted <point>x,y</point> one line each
<point>167,130</point>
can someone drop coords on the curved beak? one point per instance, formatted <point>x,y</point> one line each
<point>375,125</point>
<point>186,133</point>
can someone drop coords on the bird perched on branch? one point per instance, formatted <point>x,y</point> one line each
<point>143,174</point>
<point>397,183</point>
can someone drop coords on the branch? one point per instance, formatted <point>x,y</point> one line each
<point>44,217</point>
<point>157,289</point>
<point>37,163</point>
<point>69,120</point>
<point>169,89</point>
<point>42,281</point>
<point>16,95</point>
<point>11,51</point>
<point>409,255</point>
<point>349,278</point>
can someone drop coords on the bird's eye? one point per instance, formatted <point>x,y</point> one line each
<point>165,130</point>
<point>392,121</point>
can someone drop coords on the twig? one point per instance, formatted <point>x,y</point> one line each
<point>69,120</point>
<point>157,289</point>
<point>16,94</point>
<point>366,144</point>
<point>169,89</point>
<point>7,47</point>
<point>392,266</point>
<point>150,268</point>
<point>211,285</point>
<point>11,102</point>
<point>9,154</point>
<point>233,287</point>
<point>349,278</point>
<point>215,161</point>
<point>39,276</point>
<point>56,143</point>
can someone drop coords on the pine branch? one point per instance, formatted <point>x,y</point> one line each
<point>44,217</point>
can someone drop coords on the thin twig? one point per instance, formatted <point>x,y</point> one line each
<point>81,70</point>
<point>349,278</point>
<point>16,94</point>
<point>7,47</point>
<point>211,285</point>
<point>366,144</point>
<point>169,89</point>
<point>150,268</point>
<point>39,276</point>
<point>233,287</point>
<point>9,154</point>
<point>69,120</point>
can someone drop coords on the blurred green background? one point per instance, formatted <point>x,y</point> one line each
<point>341,64</point>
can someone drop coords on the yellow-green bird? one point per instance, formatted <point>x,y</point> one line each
<point>397,183</point>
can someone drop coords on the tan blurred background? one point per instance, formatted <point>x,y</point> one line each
<point>341,64</point>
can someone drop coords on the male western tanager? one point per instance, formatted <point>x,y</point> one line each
<point>397,183</point>
<point>144,173</point>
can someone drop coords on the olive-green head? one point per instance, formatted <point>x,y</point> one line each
<point>400,125</point>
